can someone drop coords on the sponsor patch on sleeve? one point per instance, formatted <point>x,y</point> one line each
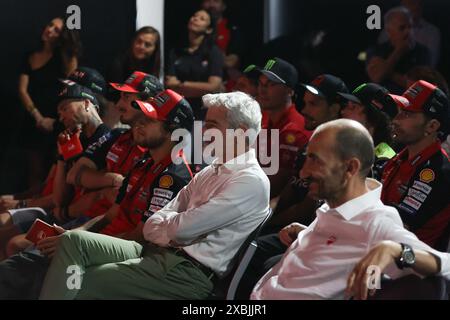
<point>426,175</point>
<point>288,147</point>
<point>166,181</point>
<point>151,210</point>
<point>112,156</point>
<point>163,193</point>
<point>412,203</point>
<point>407,209</point>
<point>417,195</point>
<point>422,187</point>
<point>159,201</point>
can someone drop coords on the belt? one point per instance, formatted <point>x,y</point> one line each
<point>208,272</point>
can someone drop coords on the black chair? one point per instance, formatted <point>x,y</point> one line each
<point>226,286</point>
<point>412,287</point>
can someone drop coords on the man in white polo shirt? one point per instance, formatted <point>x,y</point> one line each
<point>353,229</point>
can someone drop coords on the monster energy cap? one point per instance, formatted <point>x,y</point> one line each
<point>281,71</point>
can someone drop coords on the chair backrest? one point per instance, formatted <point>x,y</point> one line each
<point>227,285</point>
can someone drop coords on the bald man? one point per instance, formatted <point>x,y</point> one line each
<point>353,229</point>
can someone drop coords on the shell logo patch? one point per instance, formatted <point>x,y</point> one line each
<point>290,138</point>
<point>427,175</point>
<point>166,181</point>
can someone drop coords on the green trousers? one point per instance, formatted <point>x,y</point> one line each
<point>93,266</point>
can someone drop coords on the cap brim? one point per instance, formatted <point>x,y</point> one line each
<point>123,87</point>
<point>402,102</point>
<point>272,76</point>
<point>147,108</point>
<point>349,97</point>
<point>313,90</point>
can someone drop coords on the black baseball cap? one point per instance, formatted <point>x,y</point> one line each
<point>76,91</point>
<point>252,71</point>
<point>327,86</point>
<point>140,82</point>
<point>373,95</point>
<point>281,71</point>
<point>89,78</point>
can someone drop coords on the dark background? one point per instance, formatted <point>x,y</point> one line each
<point>107,27</point>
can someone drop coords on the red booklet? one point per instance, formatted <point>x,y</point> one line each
<point>40,230</point>
<point>71,147</point>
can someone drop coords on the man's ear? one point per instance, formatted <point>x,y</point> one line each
<point>353,166</point>
<point>86,105</point>
<point>432,126</point>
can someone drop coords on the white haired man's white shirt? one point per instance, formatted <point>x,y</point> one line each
<point>215,213</point>
<point>318,263</point>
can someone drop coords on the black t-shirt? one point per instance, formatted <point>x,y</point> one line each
<point>197,66</point>
<point>98,150</point>
<point>122,67</point>
<point>43,84</point>
<point>101,130</point>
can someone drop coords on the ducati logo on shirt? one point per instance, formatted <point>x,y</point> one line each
<point>331,240</point>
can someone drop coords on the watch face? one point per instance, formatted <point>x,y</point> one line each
<point>409,257</point>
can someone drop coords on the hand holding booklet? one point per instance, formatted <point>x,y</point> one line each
<point>40,230</point>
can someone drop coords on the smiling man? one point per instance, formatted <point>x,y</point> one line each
<point>353,222</point>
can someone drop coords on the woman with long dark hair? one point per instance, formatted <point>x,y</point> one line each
<point>196,68</point>
<point>144,54</point>
<point>39,85</point>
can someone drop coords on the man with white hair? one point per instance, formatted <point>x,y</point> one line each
<point>192,239</point>
<point>353,230</point>
<point>388,63</point>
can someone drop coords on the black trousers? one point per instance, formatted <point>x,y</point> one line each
<point>269,252</point>
<point>22,275</point>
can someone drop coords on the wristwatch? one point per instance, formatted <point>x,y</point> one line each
<point>407,257</point>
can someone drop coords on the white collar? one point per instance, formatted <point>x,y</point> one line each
<point>239,162</point>
<point>356,206</point>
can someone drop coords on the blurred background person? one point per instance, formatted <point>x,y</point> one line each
<point>196,68</point>
<point>424,32</point>
<point>228,39</point>
<point>144,54</point>
<point>389,62</point>
<point>56,57</point>
<point>248,81</point>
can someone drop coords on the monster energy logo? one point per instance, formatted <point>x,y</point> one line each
<point>88,96</point>
<point>249,68</point>
<point>269,64</point>
<point>360,88</point>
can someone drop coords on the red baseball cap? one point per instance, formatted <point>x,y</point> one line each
<point>167,106</point>
<point>140,82</point>
<point>400,101</point>
<point>429,99</point>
